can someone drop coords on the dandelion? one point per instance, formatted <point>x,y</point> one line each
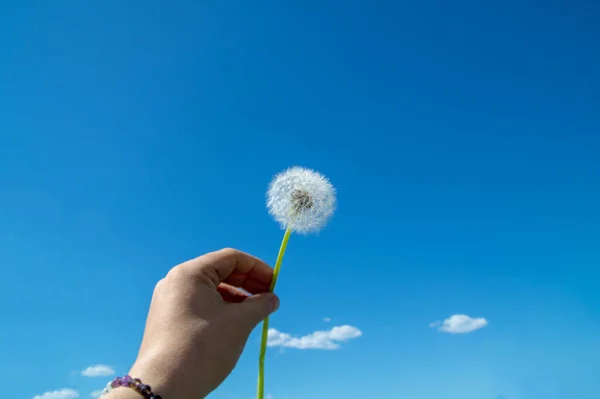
<point>301,200</point>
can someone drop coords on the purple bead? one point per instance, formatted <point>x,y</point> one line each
<point>126,381</point>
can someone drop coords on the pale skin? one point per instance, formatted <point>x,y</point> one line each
<point>198,324</point>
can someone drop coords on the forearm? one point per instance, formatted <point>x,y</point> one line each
<point>122,393</point>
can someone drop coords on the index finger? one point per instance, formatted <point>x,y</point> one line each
<point>233,267</point>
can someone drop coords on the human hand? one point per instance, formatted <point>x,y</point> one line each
<point>199,322</point>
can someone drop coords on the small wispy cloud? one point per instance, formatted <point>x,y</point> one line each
<point>65,393</point>
<point>326,319</point>
<point>459,324</point>
<point>328,340</point>
<point>98,370</point>
<point>96,394</point>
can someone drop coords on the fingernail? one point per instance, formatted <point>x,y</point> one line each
<point>274,302</point>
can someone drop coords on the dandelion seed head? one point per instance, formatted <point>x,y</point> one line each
<point>302,199</point>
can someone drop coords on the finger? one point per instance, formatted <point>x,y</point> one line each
<point>248,283</point>
<point>231,294</point>
<point>256,308</point>
<point>218,266</point>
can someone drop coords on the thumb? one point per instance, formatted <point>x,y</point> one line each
<point>256,308</point>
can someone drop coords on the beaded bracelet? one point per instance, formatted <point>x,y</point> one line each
<point>133,383</point>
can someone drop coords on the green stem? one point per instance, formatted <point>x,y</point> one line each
<point>260,392</point>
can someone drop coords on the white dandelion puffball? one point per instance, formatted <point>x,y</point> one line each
<point>301,199</point>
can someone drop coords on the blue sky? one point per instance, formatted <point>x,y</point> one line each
<point>462,137</point>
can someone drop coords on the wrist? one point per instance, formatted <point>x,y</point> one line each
<point>172,376</point>
<point>128,387</point>
<point>160,381</point>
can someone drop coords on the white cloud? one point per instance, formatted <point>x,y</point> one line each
<point>326,319</point>
<point>459,324</point>
<point>60,394</point>
<point>96,394</point>
<point>99,370</point>
<point>269,396</point>
<point>329,340</point>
